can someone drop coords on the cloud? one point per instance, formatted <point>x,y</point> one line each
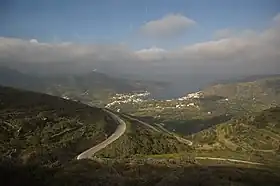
<point>25,54</point>
<point>153,53</point>
<point>276,18</point>
<point>33,41</point>
<point>245,52</point>
<point>167,27</point>
<point>228,33</point>
<point>151,50</point>
<point>224,33</point>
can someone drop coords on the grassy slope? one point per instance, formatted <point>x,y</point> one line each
<point>257,134</point>
<point>142,140</point>
<point>47,129</point>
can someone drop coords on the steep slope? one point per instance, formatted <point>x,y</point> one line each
<point>46,129</point>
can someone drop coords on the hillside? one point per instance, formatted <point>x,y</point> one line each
<point>244,79</point>
<point>41,135</point>
<point>143,139</point>
<point>142,173</point>
<point>53,130</point>
<point>13,78</point>
<point>93,88</point>
<point>48,130</point>
<point>265,90</point>
<point>258,133</point>
<point>213,105</point>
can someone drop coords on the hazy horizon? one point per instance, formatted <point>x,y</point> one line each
<point>188,43</point>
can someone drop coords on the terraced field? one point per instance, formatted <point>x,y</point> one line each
<point>250,138</point>
<point>258,135</point>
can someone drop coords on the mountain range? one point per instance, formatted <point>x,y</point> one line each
<point>93,87</point>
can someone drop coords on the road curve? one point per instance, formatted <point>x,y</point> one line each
<point>118,133</point>
<point>183,140</point>
<point>228,159</point>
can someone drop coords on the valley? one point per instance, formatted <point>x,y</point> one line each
<point>140,93</point>
<point>219,120</point>
<point>208,128</point>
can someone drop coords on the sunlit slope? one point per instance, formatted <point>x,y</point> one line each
<point>250,133</point>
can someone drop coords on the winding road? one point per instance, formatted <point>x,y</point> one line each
<point>228,159</point>
<point>88,154</point>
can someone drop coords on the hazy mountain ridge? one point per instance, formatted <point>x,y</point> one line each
<point>245,79</point>
<point>264,89</point>
<point>92,88</point>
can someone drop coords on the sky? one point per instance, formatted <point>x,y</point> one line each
<point>170,36</point>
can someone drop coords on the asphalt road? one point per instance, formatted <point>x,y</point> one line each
<point>228,159</point>
<point>118,133</point>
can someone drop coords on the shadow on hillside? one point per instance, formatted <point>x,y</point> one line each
<point>196,125</point>
<point>94,173</point>
<point>188,127</point>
